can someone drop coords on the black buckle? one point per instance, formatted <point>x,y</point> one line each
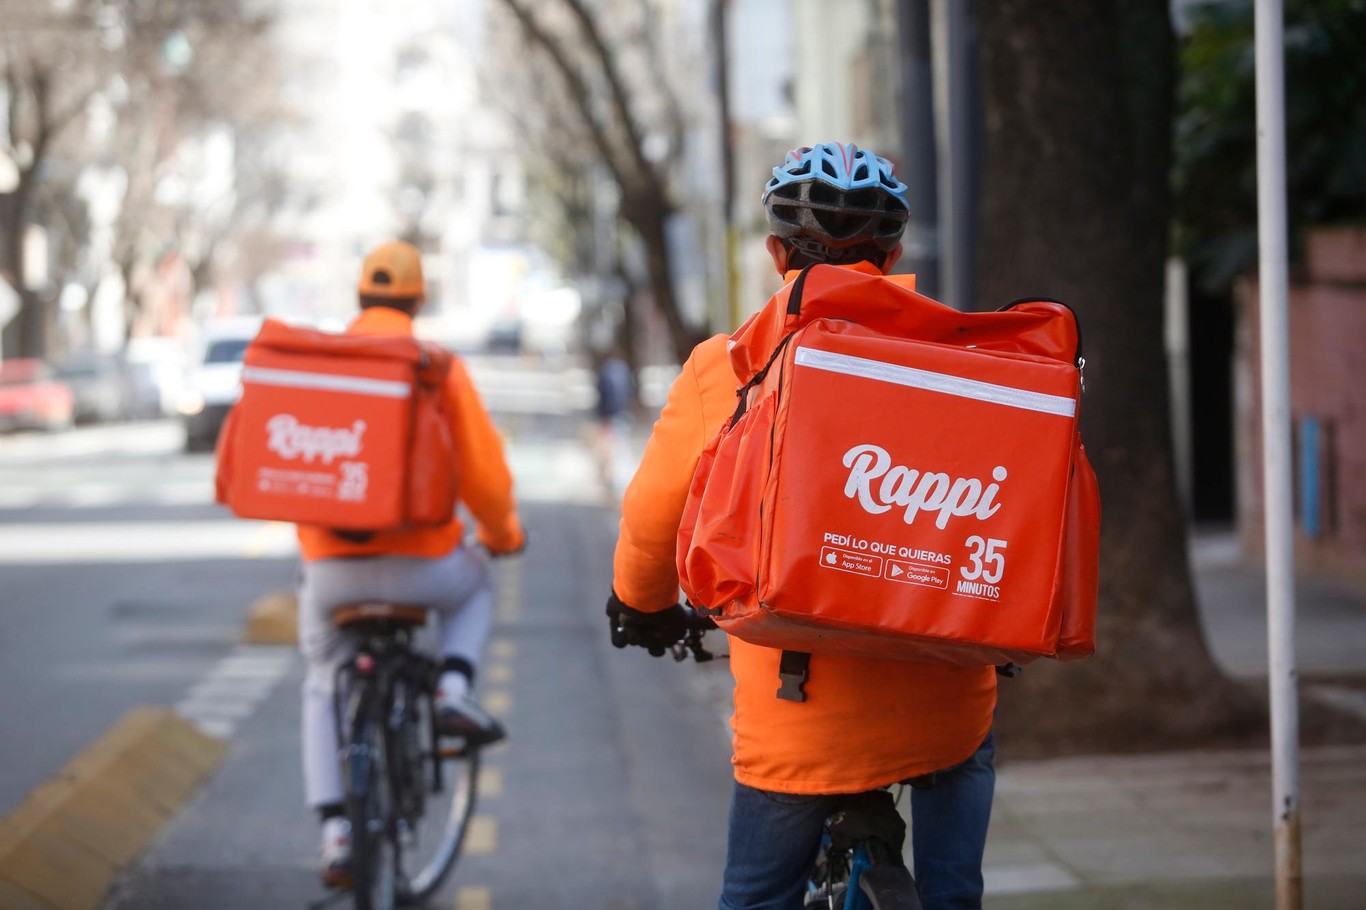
<point>793,671</point>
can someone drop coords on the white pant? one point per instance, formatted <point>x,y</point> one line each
<point>456,586</point>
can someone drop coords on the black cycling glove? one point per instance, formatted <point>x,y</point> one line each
<point>652,631</point>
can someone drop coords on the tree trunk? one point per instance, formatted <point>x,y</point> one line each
<point>649,223</point>
<point>1075,205</point>
<point>24,336</point>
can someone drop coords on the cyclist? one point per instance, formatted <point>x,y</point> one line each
<point>427,565</point>
<point>866,723</point>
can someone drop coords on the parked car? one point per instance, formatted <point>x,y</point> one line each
<point>215,381</point>
<point>99,386</point>
<point>31,397</point>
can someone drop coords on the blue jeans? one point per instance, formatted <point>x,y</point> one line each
<point>774,838</point>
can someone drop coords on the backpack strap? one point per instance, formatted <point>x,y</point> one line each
<point>793,670</point>
<point>794,299</point>
<point>794,308</point>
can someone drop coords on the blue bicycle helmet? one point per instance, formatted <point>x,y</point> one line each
<point>836,197</point>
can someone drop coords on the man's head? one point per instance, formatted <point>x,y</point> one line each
<point>835,203</point>
<point>391,276</point>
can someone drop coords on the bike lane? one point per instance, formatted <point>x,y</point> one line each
<point>611,791</point>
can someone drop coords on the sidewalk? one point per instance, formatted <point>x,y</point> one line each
<point>1194,830</point>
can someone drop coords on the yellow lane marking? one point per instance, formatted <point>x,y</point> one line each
<point>498,702</point>
<point>490,783</point>
<point>500,673</point>
<point>67,841</point>
<point>273,619</point>
<point>482,837</point>
<point>473,899</point>
<point>503,649</point>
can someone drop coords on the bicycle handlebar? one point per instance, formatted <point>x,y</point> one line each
<point>697,625</point>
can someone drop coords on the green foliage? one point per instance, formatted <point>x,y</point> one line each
<point>1216,140</point>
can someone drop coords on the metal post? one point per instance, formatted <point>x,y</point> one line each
<point>916,101</point>
<point>1276,484</point>
<point>951,24</point>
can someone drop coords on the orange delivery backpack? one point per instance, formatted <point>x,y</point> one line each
<point>900,480</point>
<point>345,431</point>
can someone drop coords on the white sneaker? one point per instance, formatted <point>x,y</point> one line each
<point>336,852</point>
<point>462,716</point>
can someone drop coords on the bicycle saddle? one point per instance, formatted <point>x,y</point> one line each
<point>378,611</point>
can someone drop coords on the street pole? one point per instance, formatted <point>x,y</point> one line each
<point>918,171</point>
<point>951,24</point>
<point>1276,482</point>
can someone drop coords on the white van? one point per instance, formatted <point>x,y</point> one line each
<point>214,382</point>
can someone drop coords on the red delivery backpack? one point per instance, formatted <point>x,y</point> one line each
<point>344,431</point>
<point>901,480</point>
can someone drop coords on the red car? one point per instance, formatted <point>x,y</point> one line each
<point>30,398</point>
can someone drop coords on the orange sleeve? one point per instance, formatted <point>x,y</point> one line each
<point>644,568</point>
<point>485,481</point>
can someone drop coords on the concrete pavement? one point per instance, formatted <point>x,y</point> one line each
<point>1194,830</point>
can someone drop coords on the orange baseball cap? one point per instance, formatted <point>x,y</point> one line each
<point>392,269</point>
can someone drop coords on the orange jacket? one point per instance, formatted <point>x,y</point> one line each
<point>485,482</point>
<point>866,723</point>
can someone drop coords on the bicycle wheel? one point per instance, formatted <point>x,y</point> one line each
<point>429,840</point>
<point>373,856</point>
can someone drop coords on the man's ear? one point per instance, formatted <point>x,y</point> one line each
<point>890,260</point>
<point>778,250</point>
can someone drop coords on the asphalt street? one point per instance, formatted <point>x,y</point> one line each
<point>122,584</point>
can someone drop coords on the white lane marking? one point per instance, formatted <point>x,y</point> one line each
<point>234,688</point>
<point>227,708</point>
<point>219,687</point>
<point>222,729</point>
<point>86,495</point>
<point>40,543</point>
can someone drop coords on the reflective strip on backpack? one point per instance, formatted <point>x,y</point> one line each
<point>330,382</point>
<point>936,382</point>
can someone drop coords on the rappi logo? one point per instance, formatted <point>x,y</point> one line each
<point>916,491</point>
<point>291,439</point>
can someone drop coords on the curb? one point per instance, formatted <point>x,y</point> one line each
<point>273,619</point>
<point>64,845</point>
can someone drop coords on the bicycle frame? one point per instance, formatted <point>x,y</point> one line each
<point>859,866</point>
<point>393,772</point>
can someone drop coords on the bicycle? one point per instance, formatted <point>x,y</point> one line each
<point>859,866</point>
<point>409,794</point>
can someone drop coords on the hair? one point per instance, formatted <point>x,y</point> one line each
<point>407,305</point>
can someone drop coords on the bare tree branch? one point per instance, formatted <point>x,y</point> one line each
<point>617,89</point>
<point>578,89</point>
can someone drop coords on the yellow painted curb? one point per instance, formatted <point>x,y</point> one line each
<point>63,846</point>
<point>273,620</point>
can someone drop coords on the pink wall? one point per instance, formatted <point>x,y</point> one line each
<point>1327,381</point>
